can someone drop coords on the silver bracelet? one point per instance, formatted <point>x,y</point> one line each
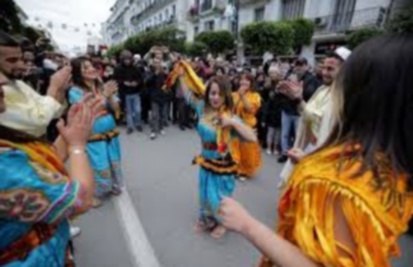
<point>77,150</point>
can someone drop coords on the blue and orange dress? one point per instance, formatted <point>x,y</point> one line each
<point>217,170</point>
<point>36,199</point>
<point>103,150</point>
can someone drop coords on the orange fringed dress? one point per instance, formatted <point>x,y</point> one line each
<point>247,154</point>
<point>376,214</point>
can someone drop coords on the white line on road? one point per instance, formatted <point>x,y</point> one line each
<point>137,241</point>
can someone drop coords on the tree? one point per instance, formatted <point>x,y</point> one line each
<point>216,41</point>
<point>303,31</point>
<point>360,36</point>
<point>132,44</point>
<point>401,21</point>
<point>31,33</point>
<point>267,36</point>
<point>114,51</point>
<point>172,38</point>
<point>196,49</point>
<point>9,17</point>
<point>168,36</point>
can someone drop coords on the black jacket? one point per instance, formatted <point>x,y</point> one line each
<point>272,109</point>
<point>124,74</point>
<point>310,85</point>
<point>154,83</point>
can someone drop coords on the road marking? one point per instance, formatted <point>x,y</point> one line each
<point>138,244</point>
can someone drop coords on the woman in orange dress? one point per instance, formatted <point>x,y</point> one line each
<point>247,102</point>
<point>347,204</point>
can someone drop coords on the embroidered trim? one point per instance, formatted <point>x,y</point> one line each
<point>104,137</point>
<point>217,166</point>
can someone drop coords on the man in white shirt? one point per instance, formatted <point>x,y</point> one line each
<point>317,118</point>
<point>26,110</point>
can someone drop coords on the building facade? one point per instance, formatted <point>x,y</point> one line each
<point>332,17</point>
<point>131,17</point>
<point>117,28</point>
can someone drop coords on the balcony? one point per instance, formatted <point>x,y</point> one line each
<point>196,12</point>
<point>349,21</point>
<point>206,5</point>
<point>250,2</point>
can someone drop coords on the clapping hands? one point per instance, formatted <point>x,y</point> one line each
<point>110,88</point>
<point>293,90</point>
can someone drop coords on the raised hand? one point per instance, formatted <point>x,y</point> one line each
<point>243,90</point>
<point>97,105</point>
<point>110,88</point>
<point>78,128</point>
<point>293,90</point>
<point>60,82</point>
<point>225,121</point>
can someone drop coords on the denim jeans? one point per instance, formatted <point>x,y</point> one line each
<point>133,110</point>
<point>158,116</point>
<point>287,122</point>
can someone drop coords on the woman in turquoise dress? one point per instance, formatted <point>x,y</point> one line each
<point>217,169</point>
<point>38,195</point>
<point>103,147</point>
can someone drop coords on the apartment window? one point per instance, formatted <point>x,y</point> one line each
<point>206,5</point>
<point>343,14</point>
<point>196,30</point>
<point>160,18</point>
<point>293,9</point>
<point>173,10</point>
<point>167,13</point>
<point>259,14</point>
<point>209,25</point>
<point>234,27</point>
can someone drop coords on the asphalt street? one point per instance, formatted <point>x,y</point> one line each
<point>162,185</point>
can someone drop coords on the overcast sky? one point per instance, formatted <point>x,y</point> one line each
<point>73,13</point>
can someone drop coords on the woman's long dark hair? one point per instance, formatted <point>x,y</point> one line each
<point>77,77</point>
<point>224,90</point>
<point>376,85</point>
<point>251,79</point>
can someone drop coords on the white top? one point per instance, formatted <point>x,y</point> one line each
<point>27,111</point>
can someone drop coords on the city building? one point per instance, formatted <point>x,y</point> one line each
<point>209,15</point>
<point>151,14</point>
<point>117,27</point>
<point>130,17</point>
<point>332,17</point>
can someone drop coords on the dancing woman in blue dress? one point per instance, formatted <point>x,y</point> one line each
<point>217,169</point>
<point>103,147</point>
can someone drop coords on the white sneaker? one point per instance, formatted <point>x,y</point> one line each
<point>269,152</point>
<point>153,136</point>
<point>163,132</point>
<point>74,231</point>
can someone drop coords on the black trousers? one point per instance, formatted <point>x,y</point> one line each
<point>146,107</point>
<point>184,112</point>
